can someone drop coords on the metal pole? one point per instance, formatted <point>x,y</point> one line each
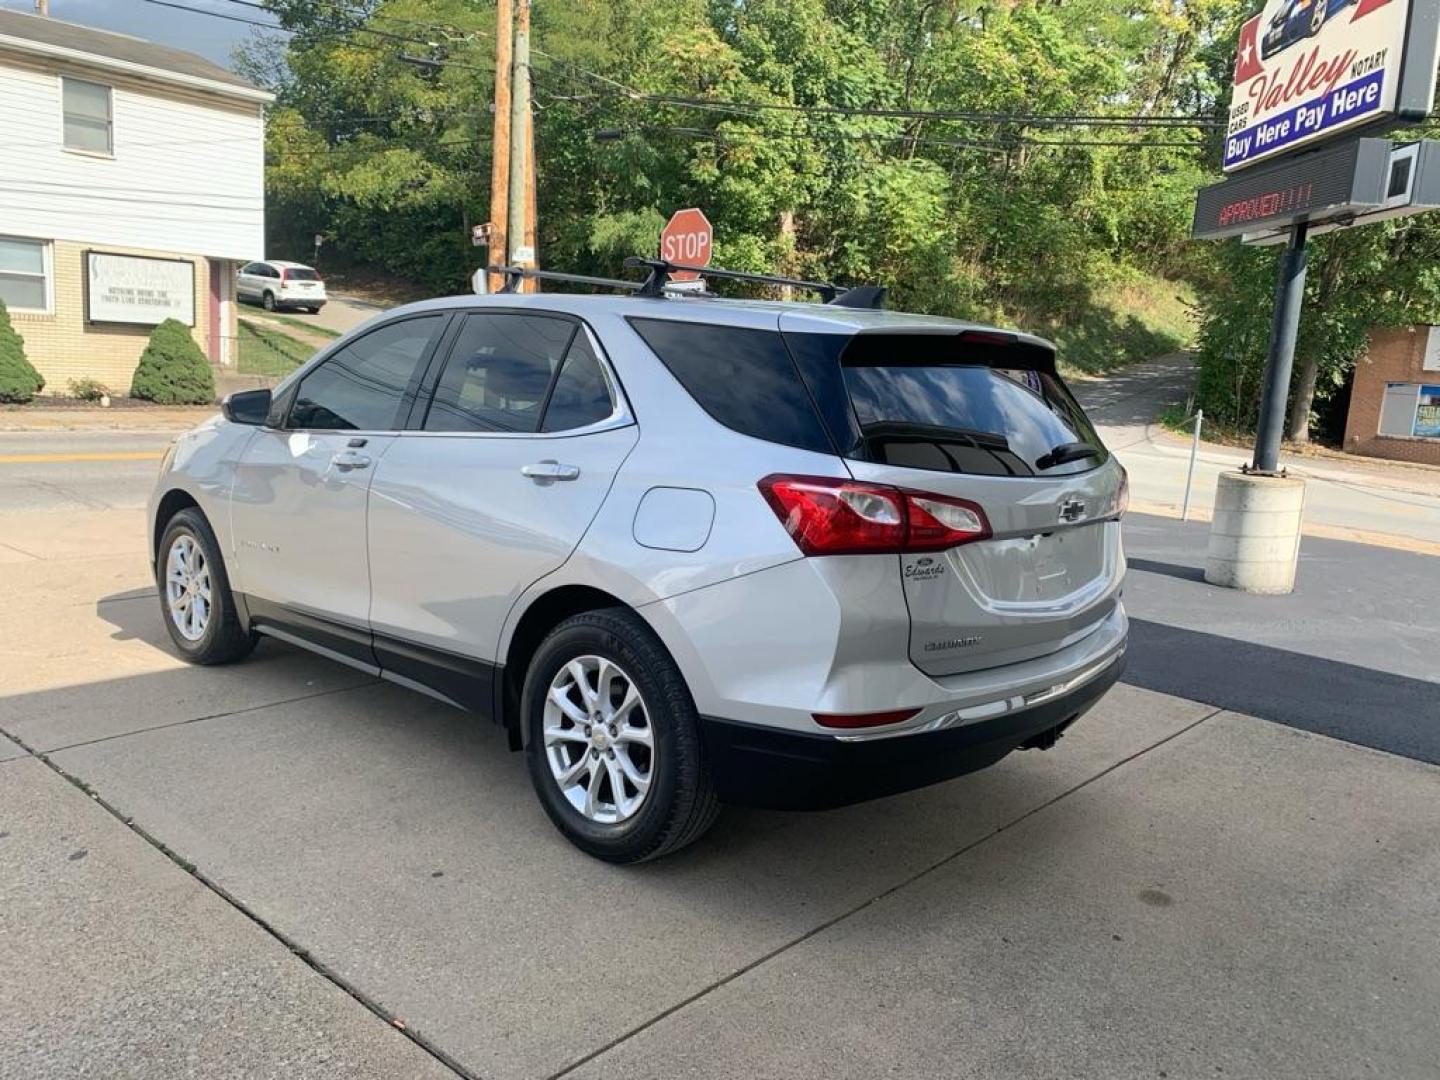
<point>519,129</point>
<point>1190,472</point>
<point>500,155</point>
<point>1289,292</point>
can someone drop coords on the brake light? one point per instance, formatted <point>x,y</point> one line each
<point>284,275</point>
<point>829,516</point>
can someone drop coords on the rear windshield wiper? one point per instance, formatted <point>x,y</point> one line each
<point>1064,453</point>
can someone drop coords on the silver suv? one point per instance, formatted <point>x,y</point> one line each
<point>683,551</point>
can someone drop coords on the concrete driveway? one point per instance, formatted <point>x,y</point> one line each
<point>285,869</point>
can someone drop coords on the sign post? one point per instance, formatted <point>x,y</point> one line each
<point>687,238</point>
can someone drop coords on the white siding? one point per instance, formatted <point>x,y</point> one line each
<point>187,174</point>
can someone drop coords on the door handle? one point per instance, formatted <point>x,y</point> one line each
<point>349,459</point>
<point>550,470</point>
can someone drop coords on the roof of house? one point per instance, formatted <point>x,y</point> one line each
<point>25,32</point>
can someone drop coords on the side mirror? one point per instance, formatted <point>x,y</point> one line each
<point>246,407</point>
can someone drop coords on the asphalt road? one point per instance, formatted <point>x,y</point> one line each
<point>340,312</point>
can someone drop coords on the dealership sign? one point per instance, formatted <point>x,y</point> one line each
<point>1306,70</point>
<point>131,289</point>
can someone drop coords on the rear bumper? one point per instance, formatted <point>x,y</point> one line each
<point>770,767</point>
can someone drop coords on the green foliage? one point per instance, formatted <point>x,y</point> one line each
<point>19,381</point>
<point>1015,220</point>
<point>172,369</point>
<point>1378,275</point>
<point>88,389</point>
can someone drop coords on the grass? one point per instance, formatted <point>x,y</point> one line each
<point>1137,319</point>
<point>301,324</point>
<point>269,352</point>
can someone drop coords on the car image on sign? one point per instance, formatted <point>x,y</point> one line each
<point>1296,21</point>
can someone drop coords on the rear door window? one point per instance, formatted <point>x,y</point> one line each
<point>582,394</point>
<point>499,372</point>
<point>743,378</point>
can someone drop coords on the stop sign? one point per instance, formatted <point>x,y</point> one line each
<point>686,238</point>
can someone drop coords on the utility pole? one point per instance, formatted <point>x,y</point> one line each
<point>42,7</point>
<point>519,136</point>
<point>500,151</point>
<point>531,285</point>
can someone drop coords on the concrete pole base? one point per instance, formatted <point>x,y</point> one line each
<point>1255,533</point>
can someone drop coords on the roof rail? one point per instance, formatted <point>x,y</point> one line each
<point>513,275</point>
<point>661,269</point>
<point>657,282</point>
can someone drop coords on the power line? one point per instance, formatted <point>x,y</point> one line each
<point>1030,119</point>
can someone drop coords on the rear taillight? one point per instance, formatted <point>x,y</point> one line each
<point>284,275</point>
<point>829,516</point>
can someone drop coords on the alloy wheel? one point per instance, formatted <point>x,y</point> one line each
<point>599,741</point>
<point>188,587</point>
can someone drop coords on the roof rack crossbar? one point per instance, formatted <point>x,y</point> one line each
<point>513,275</point>
<point>661,269</point>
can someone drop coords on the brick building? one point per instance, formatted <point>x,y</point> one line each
<point>1395,402</point>
<point>131,186</point>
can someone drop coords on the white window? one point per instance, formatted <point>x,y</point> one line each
<point>88,118</point>
<point>1397,409</point>
<point>25,274</point>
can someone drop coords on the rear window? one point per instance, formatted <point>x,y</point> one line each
<point>743,378</point>
<point>938,402</point>
<point>300,273</point>
<point>972,419</point>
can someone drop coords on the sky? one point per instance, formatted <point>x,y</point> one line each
<point>212,38</point>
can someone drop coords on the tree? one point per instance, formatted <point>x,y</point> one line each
<point>19,381</point>
<point>172,369</point>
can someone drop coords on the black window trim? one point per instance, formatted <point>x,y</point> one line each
<point>620,416</point>
<point>412,388</point>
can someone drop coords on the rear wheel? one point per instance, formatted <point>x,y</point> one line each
<point>613,742</point>
<point>195,596</point>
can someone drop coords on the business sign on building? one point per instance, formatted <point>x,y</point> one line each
<point>1306,70</point>
<point>142,291</point>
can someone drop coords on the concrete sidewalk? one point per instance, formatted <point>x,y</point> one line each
<point>1175,889</point>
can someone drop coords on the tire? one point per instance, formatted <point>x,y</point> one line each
<point>679,802</point>
<point>221,639</point>
<point>268,301</point>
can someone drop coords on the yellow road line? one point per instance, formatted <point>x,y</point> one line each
<point>38,459</point>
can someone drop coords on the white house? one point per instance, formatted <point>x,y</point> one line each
<point>131,184</point>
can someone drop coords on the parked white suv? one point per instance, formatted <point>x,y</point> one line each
<point>277,285</point>
<point>684,551</point>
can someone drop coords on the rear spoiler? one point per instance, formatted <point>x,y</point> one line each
<point>992,348</point>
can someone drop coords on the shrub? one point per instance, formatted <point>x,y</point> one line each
<point>173,370</point>
<point>19,381</point>
<point>88,389</point>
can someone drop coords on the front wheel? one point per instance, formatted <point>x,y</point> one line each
<point>268,301</point>
<point>613,743</point>
<point>195,596</point>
